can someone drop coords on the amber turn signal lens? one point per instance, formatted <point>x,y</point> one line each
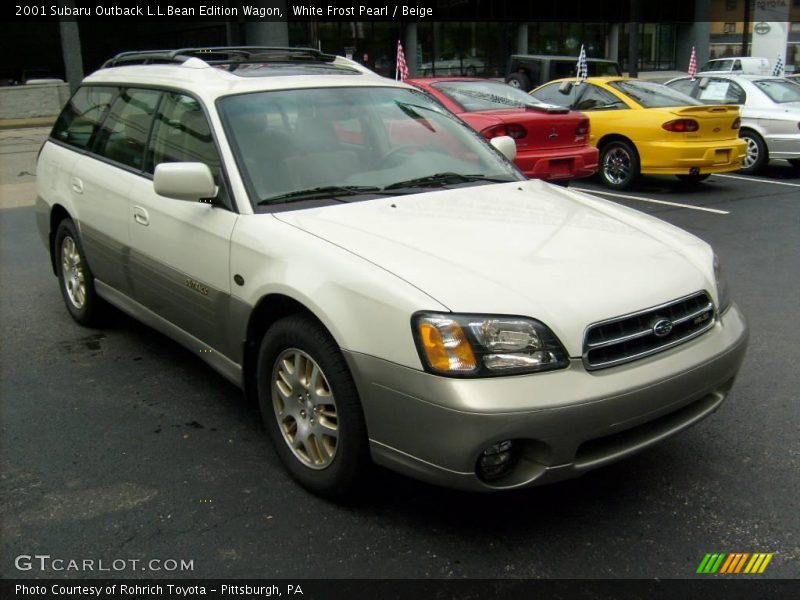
<point>446,346</point>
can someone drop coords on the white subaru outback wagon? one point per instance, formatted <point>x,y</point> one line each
<point>383,280</point>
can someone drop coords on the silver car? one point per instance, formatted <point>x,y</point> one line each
<point>770,112</point>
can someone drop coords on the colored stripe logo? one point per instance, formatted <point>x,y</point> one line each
<point>734,563</point>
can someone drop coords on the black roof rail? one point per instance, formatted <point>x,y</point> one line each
<point>216,55</point>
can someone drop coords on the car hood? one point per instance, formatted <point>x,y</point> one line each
<point>523,248</point>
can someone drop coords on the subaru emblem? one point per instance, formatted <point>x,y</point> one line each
<point>662,327</point>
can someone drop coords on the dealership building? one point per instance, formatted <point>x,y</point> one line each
<point>470,37</point>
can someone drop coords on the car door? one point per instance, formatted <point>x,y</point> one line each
<point>103,179</point>
<point>603,109</point>
<point>180,250</point>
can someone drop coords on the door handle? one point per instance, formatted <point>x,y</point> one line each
<point>140,216</point>
<point>77,185</point>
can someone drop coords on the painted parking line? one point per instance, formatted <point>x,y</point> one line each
<point>758,180</point>
<point>716,211</point>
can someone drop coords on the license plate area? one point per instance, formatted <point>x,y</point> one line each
<point>722,157</point>
<point>561,167</point>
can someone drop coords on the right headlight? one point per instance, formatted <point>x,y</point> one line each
<point>723,292</point>
<point>485,345</point>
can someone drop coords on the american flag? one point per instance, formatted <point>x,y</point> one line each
<point>401,71</point>
<point>693,64</point>
<point>582,70</point>
<point>778,70</point>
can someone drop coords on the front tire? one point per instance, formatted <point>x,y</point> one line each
<point>619,164</point>
<point>311,408</point>
<point>75,279</point>
<point>756,156</point>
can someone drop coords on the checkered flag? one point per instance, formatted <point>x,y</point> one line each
<point>778,70</point>
<point>693,64</point>
<point>401,71</point>
<point>582,68</point>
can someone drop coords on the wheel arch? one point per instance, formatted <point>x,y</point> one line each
<point>57,214</point>
<point>615,137</point>
<point>756,131</point>
<point>268,310</point>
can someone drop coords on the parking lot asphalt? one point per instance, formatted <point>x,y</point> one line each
<point>119,444</point>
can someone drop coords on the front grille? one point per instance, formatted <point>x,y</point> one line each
<point>631,337</point>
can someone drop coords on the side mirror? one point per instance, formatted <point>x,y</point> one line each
<point>506,145</point>
<point>190,181</point>
<point>565,87</point>
<point>703,83</point>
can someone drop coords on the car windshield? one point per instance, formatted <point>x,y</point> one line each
<point>718,65</point>
<point>653,95</point>
<point>480,95</point>
<point>779,90</point>
<point>332,143</point>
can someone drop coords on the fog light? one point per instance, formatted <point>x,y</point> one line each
<point>496,460</point>
<point>694,171</point>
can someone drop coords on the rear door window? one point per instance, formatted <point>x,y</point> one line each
<point>123,136</point>
<point>80,120</point>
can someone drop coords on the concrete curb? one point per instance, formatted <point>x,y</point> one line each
<point>28,122</point>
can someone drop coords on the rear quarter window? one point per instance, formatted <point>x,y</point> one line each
<point>79,121</point>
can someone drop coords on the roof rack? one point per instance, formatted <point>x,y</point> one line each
<point>221,55</point>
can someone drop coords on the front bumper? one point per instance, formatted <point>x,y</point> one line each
<point>563,423</point>
<point>558,165</point>
<point>680,158</point>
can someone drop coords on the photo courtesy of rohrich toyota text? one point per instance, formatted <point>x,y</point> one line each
<point>430,299</point>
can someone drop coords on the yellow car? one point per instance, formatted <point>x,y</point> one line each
<point>645,127</point>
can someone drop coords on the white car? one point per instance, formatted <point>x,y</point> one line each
<point>770,112</point>
<point>383,280</point>
<point>738,65</point>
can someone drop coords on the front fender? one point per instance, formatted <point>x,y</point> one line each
<point>366,308</point>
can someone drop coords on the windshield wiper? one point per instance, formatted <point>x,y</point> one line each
<point>443,179</point>
<point>328,191</point>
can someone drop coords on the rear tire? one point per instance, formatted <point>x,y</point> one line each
<point>310,407</point>
<point>619,164</point>
<point>519,80</point>
<point>75,279</point>
<point>756,156</point>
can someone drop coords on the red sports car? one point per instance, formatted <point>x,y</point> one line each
<point>552,143</point>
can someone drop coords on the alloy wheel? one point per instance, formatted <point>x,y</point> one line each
<point>617,165</point>
<point>751,157</point>
<point>305,408</point>
<point>73,271</point>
